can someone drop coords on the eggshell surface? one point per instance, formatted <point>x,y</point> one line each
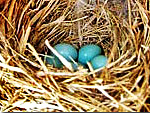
<point>88,52</point>
<point>67,51</point>
<point>99,61</point>
<point>75,66</point>
<point>54,61</point>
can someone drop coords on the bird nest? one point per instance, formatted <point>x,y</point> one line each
<point>121,28</point>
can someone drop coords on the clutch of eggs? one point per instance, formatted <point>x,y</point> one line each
<point>88,53</point>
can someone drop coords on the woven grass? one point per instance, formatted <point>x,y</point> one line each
<point>121,28</point>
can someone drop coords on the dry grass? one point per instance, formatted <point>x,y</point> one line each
<point>27,83</point>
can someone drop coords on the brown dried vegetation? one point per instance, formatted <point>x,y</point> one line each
<point>121,28</point>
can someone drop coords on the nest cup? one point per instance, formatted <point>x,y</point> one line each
<point>83,31</point>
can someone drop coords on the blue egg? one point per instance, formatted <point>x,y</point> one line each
<point>88,52</point>
<point>67,51</point>
<point>75,66</point>
<point>54,61</point>
<point>99,61</point>
<point>81,64</point>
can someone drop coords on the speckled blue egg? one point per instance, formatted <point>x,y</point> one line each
<point>54,61</point>
<point>67,51</point>
<point>88,52</point>
<point>99,61</point>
